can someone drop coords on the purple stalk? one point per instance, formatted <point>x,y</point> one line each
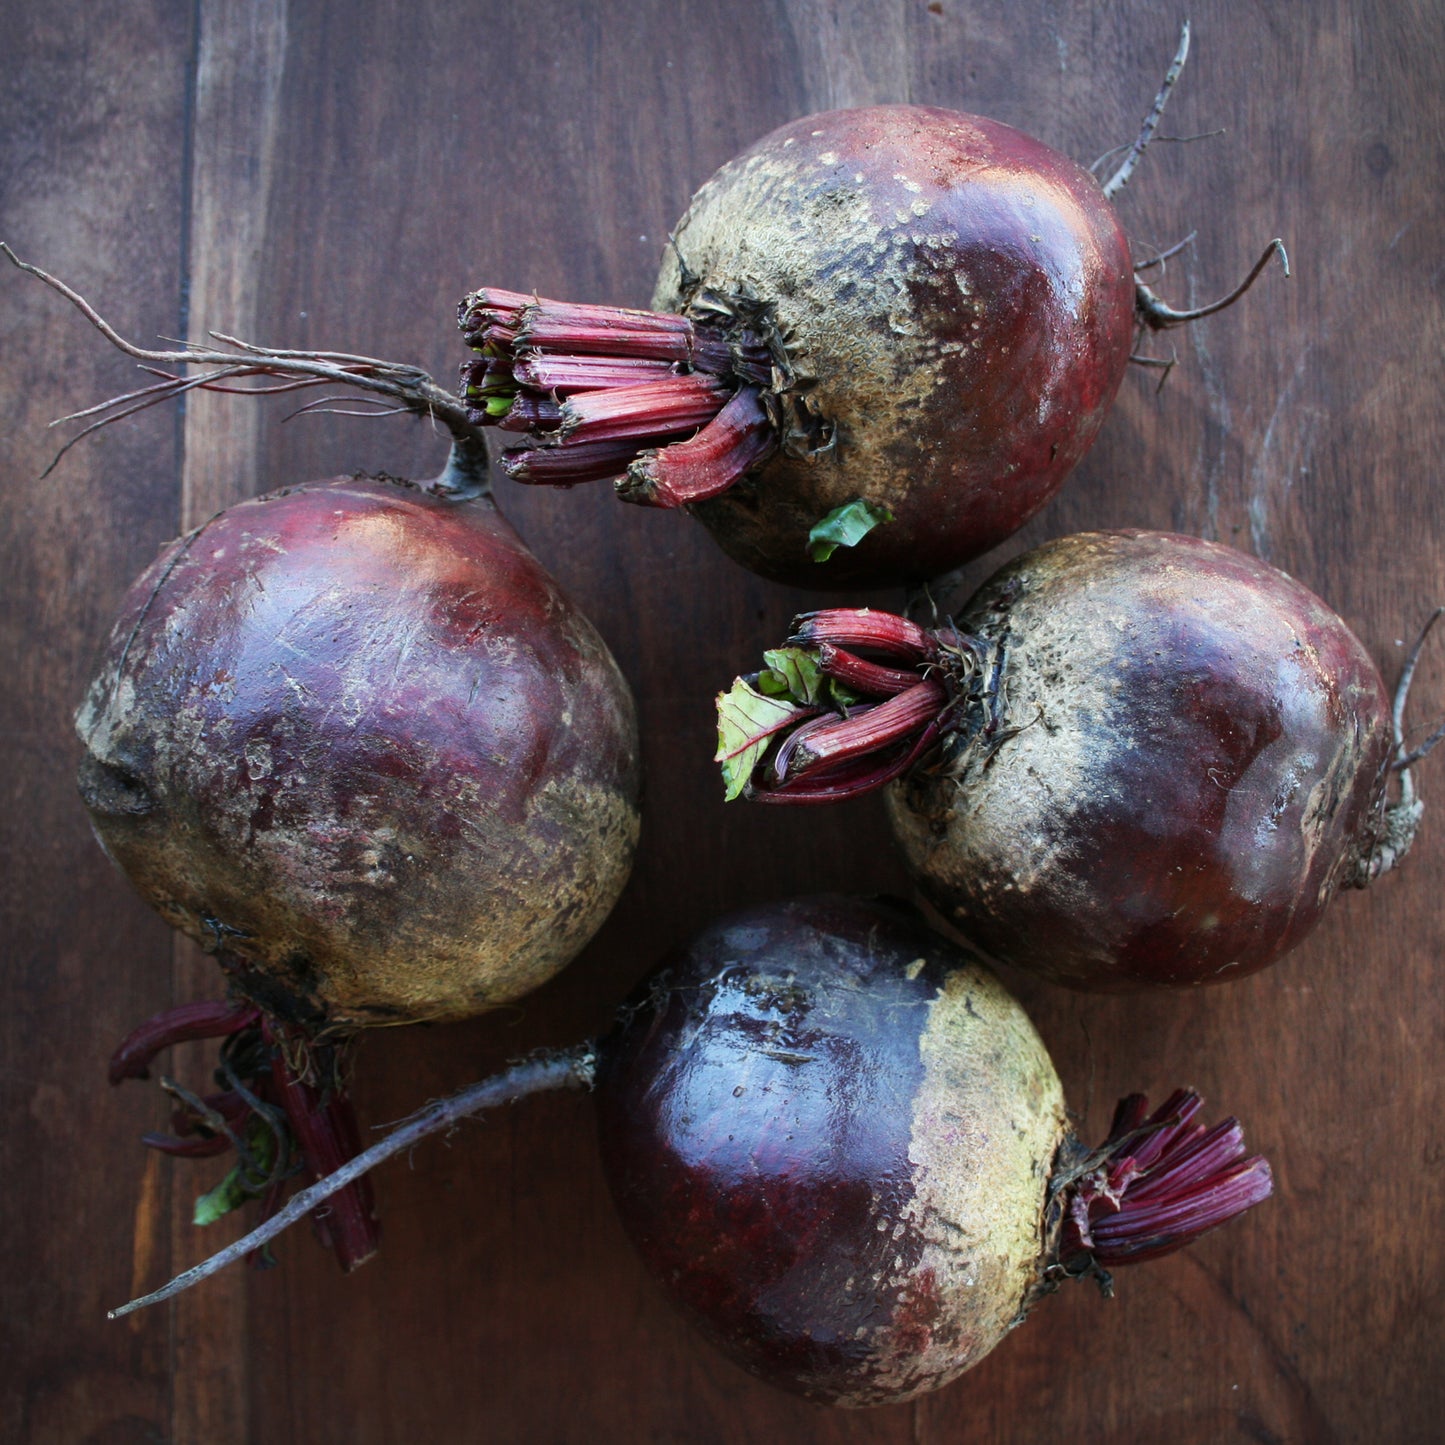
<point>197,1147</point>
<point>655,408</point>
<point>853,779</point>
<point>1158,1182</point>
<point>564,375</point>
<point>574,376</point>
<point>861,675</point>
<point>183,1024</point>
<point>324,1127</point>
<point>570,465</point>
<point>736,440</point>
<point>852,627</point>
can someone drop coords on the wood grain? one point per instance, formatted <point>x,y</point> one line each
<point>338,175</point>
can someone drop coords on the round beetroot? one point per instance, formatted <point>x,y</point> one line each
<point>955,301</point>
<point>840,1146</point>
<point>1136,758</point>
<point>352,739</point>
<point>830,1138</point>
<point>1191,762</point>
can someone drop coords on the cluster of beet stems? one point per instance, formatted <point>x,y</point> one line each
<point>671,410</point>
<point>282,1106</point>
<point>824,722</point>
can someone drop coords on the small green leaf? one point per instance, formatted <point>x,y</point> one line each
<point>845,526</point>
<point>791,671</point>
<point>235,1189</point>
<point>747,721</point>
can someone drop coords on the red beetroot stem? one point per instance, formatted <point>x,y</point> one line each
<point>1157,1183</point>
<point>324,1127</point>
<point>862,675</point>
<point>577,375</point>
<point>870,729</point>
<point>185,1023</point>
<point>529,413</point>
<point>199,1146</point>
<point>570,465</point>
<point>567,374</point>
<point>740,437</point>
<point>852,627</point>
<point>655,408</point>
<point>849,780</point>
<point>229,1106</point>
<point>855,746</point>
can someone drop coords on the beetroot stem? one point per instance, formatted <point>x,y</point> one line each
<point>737,439</point>
<point>857,723</point>
<point>848,780</point>
<point>576,376</point>
<point>185,1023</point>
<point>871,729</point>
<point>884,632</point>
<point>575,1069</point>
<point>861,675</point>
<point>323,1124</point>
<point>1157,1183</point>
<point>653,408</point>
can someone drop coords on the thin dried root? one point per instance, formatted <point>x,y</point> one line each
<point>574,1069</point>
<point>408,385</point>
<point>1158,315</point>
<point>1120,178</point>
<point>1400,819</point>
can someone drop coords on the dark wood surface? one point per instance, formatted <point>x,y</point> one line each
<point>338,175</point>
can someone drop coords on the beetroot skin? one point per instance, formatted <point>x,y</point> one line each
<point>352,739</point>
<point>956,301</point>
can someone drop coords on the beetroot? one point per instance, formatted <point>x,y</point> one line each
<point>842,1149</point>
<point>352,739</point>
<point>1135,759</point>
<point>924,311</point>
<point>956,305</point>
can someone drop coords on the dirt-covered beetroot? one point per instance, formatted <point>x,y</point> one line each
<point>1136,758</point>
<point>956,304</point>
<point>842,1149</point>
<point>353,739</point>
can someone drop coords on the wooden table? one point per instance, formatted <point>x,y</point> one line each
<point>337,176</point>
